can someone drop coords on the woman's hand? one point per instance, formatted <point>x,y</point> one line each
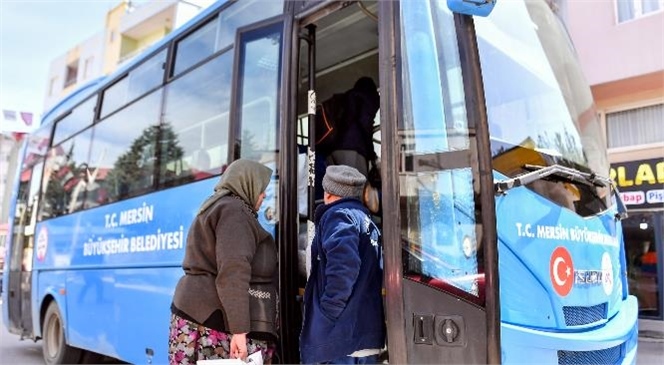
<point>239,346</point>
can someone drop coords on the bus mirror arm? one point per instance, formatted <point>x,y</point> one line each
<point>541,172</point>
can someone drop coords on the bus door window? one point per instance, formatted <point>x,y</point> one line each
<point>24,219</point>
<point>437,197</point>
<point>256,136</point>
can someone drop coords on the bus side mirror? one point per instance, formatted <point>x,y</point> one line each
<point>471,7</point>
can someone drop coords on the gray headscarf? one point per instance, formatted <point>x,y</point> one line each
<point>245,178</point>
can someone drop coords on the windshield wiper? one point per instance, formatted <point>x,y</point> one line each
<point>560,172</point>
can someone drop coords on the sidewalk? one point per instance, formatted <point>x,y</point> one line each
<point>651,330</point>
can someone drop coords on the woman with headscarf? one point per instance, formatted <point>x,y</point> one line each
<point>225,304</point>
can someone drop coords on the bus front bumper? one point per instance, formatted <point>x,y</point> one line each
<point>613,343</point>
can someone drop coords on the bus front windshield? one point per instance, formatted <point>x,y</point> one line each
<point>536,96</point>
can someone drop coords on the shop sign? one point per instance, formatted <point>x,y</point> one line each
<point>641,183</point>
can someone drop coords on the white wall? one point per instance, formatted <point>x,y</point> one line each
<point>610,51</point>
<point>56,70</point>
<point>91,47</point>
<point>187,10</point>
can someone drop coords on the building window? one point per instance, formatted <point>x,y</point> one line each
<point>635,126</point>
<point>632,9</point>
<point>71,73</point>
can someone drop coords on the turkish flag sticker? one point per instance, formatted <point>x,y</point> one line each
<point>561,271</point>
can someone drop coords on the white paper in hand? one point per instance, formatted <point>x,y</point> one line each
<point>220,362</point>
<point>255,359</point>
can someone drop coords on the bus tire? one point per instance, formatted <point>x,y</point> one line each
<point>54,344</point>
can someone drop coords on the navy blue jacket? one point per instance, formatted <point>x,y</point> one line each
<point>361,108</point>
<point>343,304</point>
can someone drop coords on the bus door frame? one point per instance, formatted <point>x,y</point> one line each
<point>389,51</point>
<point>477,115</point>
<point>389,106</point>
<point>298,16</point>
<point>290,317</point>
<point>19,285</point>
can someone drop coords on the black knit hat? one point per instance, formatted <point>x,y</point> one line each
<point>343,181</point>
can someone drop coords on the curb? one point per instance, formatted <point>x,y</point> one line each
<point>651,336</point>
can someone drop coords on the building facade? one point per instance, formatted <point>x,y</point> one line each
<point>620,44</point>
<point>14,125</point>
<point>128,29</point>
<point>9,148</point>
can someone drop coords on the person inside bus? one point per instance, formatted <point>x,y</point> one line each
<point>344,321</point>
<point>224,306</point>
<point>354,147</point>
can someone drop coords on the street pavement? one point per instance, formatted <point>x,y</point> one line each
<point>27,352</point>
<point>15,351</point>
<point>650,352</point>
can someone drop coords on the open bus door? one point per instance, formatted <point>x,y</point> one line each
<point>332,44</point>
<point>438,216</point>
<point>20,258</point>
<point>439,224</point>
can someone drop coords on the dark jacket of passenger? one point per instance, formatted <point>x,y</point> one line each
<point>343,304</point>
<point>229,251</point>
<point>362,104</point>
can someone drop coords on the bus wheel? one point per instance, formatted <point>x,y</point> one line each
<point>54,346</point>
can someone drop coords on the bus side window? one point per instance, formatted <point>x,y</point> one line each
<point>200,164</point>
<point>64,165</point>
<point>196,110</point>
<point>125,157</point>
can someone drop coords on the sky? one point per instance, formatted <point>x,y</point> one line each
<point>32,34</point>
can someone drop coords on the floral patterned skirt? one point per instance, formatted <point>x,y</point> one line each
<point>189,342</point>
